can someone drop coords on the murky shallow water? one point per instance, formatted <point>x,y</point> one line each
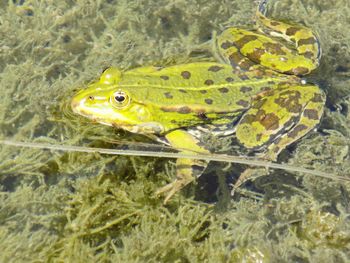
<point>72,207</point>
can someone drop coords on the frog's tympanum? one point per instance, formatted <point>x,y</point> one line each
<point>255,91</point>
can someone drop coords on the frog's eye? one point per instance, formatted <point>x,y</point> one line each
<point>120,99</point>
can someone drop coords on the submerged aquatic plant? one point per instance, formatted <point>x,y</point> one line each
<point>200,156</point>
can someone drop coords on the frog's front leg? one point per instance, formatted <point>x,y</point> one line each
<point>279,119</point>
<point>187,170</point>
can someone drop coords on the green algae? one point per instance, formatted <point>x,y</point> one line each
<point>75,207</point>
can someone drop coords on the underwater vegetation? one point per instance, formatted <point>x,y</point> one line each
<point>73,207</point>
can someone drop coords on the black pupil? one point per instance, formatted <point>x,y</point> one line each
<point>119,98</point>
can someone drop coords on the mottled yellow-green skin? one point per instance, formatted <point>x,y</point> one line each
<point>255,91</point>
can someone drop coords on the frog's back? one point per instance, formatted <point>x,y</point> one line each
<point>214,85</point>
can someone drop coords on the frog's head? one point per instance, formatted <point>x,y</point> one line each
<point>106,103</point>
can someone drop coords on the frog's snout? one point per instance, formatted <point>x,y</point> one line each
<point>74,104</point>
<point>78,102</point>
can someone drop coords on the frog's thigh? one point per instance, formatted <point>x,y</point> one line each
<point>187,170</point>
<point>245,48</point>
<point>281,118</point>
<point>250,50</point>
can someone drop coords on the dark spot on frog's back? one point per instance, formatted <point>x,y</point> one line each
<point>307,41</point>
<point>274,48</point>
<point>308,54</point>
<point>208,101</point>
<point>229,79</point>
<point>215,68</point>
<point>223,90</point>
<point>203,91</point>
<point>243,103</point>
<point>209,82</point>
<point>290,103</point>
<point>186,74</point>
<point>243,77</point>
<point>311,114</point>
<point>245,89</point>
<point>291,31</point>
<point>245,39</point>
<point>317,98</point>
<point>164,77</point>
<point>168,95</point>
<point>270,121</point>
<point>182,91</point>
<point>227,45</point>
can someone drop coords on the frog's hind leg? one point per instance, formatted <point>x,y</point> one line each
<point>307,52</point>
<point>312,100</point>
<point>248,50</point>
<point>278,120</point>
<point>229,51</point>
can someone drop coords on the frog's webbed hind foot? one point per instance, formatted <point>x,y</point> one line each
<point>172,188</point>
<point>248,174</point>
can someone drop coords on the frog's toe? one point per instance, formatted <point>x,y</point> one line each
<point>170,189</point>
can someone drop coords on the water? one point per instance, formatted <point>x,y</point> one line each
<point>65,207</point>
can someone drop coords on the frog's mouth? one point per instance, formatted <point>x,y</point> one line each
<point>78,108</point>
<point>96,113</point>
<point>108,116</point>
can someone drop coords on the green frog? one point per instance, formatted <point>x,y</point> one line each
<point>254,91</point>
